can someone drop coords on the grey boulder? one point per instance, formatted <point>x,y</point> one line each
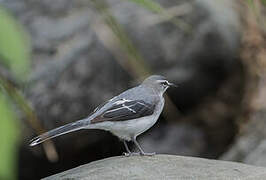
<point>161,167</point>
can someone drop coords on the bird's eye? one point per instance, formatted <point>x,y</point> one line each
<point>165,83</point>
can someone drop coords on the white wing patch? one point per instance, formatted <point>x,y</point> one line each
<point>128,107</point>
<point>125,109</point>
<point>122,101</point>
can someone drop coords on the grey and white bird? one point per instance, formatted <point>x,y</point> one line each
<point>126,115</point>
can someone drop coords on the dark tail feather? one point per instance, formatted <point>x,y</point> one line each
<point>58,131</point>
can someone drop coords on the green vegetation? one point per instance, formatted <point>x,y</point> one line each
<point>15,59</point>
<point>14,46</point>
<point>9,131</point>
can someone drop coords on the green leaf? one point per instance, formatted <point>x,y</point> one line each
<point>14,46</point>
<point>9,131</point>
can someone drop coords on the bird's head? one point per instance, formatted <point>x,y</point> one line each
<point>158,83</point>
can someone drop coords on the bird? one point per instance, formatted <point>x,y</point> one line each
<point>126,115</point>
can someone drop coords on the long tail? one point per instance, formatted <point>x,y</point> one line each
<point>59,131</point>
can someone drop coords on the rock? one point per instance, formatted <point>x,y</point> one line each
<point>161,167</point>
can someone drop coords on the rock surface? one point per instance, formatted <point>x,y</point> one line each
<point>162,167</point>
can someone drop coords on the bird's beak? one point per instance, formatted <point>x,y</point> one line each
<point>172,85</point>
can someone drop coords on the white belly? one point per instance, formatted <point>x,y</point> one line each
<point>132,128</point>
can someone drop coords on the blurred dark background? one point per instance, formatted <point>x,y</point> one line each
<point>61,59</point>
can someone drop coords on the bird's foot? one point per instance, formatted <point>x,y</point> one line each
<point>130,154</point>
<point>147,154</point>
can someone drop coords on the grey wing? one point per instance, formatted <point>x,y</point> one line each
<point>125,109</point>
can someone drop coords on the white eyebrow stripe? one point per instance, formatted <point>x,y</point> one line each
<point>161,80</point>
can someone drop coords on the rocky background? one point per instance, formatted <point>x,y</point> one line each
<point>84,52</point>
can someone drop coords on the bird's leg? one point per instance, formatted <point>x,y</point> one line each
<point>126,146</point>
<point>128,153</point>
<point>140,149</point>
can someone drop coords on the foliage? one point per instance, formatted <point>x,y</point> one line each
<point>8,137</point>
<point>15,57</point>
<point>14,46</point>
